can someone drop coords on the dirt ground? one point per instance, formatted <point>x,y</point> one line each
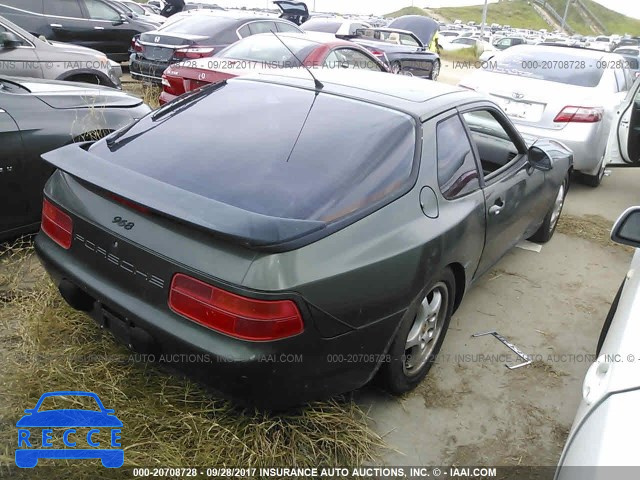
<point>473,410</point>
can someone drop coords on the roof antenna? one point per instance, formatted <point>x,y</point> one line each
<point>319,85</point>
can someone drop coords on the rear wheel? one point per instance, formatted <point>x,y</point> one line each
<point>420,336</point>
<point>435,72</point>
<point>86,78</point>
<point>548,227</point>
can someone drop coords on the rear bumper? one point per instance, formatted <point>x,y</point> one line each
<point>267,374</point>
<point>146,70</point>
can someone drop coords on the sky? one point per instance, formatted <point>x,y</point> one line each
<point>379,7</point>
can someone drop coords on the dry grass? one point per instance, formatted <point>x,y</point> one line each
<point>149,93</point>
<point>589,227</point>
<point>168,420</point>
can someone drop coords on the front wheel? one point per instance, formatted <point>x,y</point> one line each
<point>435,71</point>
<point>420,336</point>
<point>548,227</point>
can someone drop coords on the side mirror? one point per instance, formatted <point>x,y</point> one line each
<point>123,19</point>
<point>9,40</point>
<point>539,159</point>
<point>627,228</point>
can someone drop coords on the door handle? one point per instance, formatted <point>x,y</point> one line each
<point>98,28</point>
<point>497,207</point>
<point>55,25</point>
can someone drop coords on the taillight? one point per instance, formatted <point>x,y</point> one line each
<point>193,52</point>
<point>579,115</point>
<point>56,224</point>
<point>136,46</point>
<point>377,53</point>
<point>235,315</point>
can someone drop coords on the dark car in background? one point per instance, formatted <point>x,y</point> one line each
<point>41,115</point>
<point>353,231</point>
<point>423,27</point>
<point>196,36</point>
<point>98,24</point>
<point>296,12</point>
<point>24,55</point>
<point>401,49</point>
<point>266,52</point>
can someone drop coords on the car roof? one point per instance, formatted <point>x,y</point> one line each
<point>321,38</point>
<point>416,96</point>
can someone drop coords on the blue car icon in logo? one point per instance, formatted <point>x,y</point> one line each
<point>79,446</point>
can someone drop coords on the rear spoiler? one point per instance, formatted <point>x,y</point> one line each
<point>247,228</point>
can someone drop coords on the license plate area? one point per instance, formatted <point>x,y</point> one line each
<point>125,332</point>
<point>531,112</point>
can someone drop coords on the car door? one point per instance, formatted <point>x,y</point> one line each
<point>13,210</point>
<point>66,22</point>
<point>623,147</point>
<point>18,60</point>
<point>109,32</point>
<point>516,196</point>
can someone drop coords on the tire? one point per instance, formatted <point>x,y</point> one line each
<point>408,366</point>
<point>548,227</point>
<point>607,321</point>
<point>593,180</point>
<point>435,72</point>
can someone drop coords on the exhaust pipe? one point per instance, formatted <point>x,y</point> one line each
<point>75,297</point>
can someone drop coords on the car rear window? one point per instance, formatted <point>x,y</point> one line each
<point>274,150</point>
<point>560,67</point>
<point>269,48</point>
<point>198,25</point>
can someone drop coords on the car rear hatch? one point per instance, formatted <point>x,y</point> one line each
<point>246,162</point>
<point>162,48</point>
<point>187,38</point>
<point>292,10</point>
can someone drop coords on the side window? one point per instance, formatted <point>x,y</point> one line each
<point>244,31</point>
<point>494,144</point>
<point>287,28</point>
<point>29,5</point>
<point>63,8</point>
<point>620,81</point>
<point>457,170</point>
<point>358,60</point>
<point>262,27</point>
<point>101,11</point>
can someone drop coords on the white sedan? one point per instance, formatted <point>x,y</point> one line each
<point>605,429</point>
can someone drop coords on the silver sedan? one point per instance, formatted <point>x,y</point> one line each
<point>560,92</point>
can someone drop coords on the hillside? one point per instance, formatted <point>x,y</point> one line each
<point>407,11</point>
<point>521,14</point>
<point>517,13</point>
